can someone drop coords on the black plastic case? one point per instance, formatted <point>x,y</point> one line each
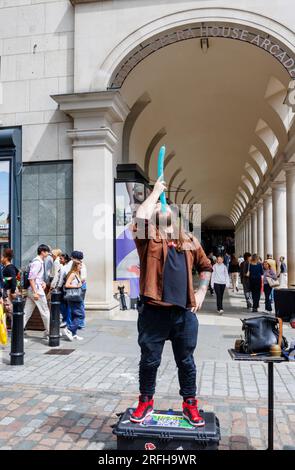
<point>166,430</point>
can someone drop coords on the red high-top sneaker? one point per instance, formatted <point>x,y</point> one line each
<point>144,408</point>
<point>191,413</point>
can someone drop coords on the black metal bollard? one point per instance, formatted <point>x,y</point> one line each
<point>54,331</point>
<point>17,333</point>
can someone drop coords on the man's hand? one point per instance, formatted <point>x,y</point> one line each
<point>159,186</point>
<point>36,296</point>
<point>43,285</point>
<point>200,295</point>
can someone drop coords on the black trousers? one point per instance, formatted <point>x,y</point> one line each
<point>247,292</point>
<point>255,287</point>
<point>155,326</point>
<point>219,290</point>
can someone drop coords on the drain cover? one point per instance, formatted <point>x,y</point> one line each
<point>60,352</point>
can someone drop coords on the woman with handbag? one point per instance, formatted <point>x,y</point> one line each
<point>255,274</point>
<point>73,295</point>
<point>269,282</point>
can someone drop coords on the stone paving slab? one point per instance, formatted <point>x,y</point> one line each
<point>70,401</point>
<point>83,419</point>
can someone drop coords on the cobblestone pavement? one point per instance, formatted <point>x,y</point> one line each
<point>70,401</point>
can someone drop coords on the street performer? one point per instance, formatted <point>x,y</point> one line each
<point>168,302</point>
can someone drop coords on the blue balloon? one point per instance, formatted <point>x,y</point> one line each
<point>161,158</point>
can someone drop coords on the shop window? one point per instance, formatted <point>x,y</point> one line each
<point>47,207</point>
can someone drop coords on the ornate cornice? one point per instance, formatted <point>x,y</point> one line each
<point>106,105</point>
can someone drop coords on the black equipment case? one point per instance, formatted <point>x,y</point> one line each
<point>166,430</point>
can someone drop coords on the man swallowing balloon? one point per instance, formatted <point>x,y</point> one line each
<point>168,302</point>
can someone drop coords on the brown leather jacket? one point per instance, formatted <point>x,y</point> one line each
<point>152,254</point>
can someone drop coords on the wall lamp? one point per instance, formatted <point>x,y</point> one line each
<point>204,44</point>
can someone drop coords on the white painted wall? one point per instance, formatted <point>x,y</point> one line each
<point>36,50</point>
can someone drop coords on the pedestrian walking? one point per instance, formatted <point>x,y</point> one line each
<point>268,274</point>
<point>56,268</point>
<point>245,280</point>
<point>255,274</point>
<point>36,296</point>
<point>64,307</point>
<point>212,259</point>
<point>226,259</point>
<point>283,274</point>
<point>219,281</point>
<point>79,257</point>
<point>234,270</point>
<point>74,281</point>
<point>9,273</point>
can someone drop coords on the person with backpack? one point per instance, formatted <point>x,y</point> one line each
<point>36,296</point>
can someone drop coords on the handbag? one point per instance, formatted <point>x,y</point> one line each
<point>3,329</point>
<point>260,334</point>
<point>73,294</point>
<point>272,282</point>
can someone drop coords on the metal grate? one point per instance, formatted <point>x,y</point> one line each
<point>59,352</point>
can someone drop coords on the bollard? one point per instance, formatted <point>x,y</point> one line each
<point>17,333</point>
<point>54,331</point>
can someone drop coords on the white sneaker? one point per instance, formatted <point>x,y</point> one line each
<point>68,334</point>
<point>79,338</point>
<point>221,311</point>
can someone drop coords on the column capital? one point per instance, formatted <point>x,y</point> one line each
<point>266,197</point>
<point>278,185</point>
<point>103,107</point>
<point>102,137</point>
<point>289,167</point>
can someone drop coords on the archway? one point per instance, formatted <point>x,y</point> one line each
<point>215,98</point>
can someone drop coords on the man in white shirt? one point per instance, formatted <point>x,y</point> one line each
<point>36,292</point>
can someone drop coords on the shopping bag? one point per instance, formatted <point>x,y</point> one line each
<point>3,329</point>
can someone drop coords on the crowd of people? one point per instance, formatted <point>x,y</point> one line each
<point>256,276</point>
<point>49,270</point>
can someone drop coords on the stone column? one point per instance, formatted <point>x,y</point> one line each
<point>279,214</point>
<point>249,232</point>
<point>260,240</point>
<point>290,195</point>
<point>93,145</point>
<point>246,234</point>
<point>267,224</point>
<point>254,230</point>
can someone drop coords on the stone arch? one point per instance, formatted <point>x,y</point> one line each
<point>276,39</point>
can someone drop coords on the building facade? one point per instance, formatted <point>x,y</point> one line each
<point>86,86</point>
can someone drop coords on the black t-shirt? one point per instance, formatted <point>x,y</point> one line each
<point>10,271</point>
<point>175,278</point>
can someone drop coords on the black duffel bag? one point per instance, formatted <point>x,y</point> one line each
<point>260,334</point>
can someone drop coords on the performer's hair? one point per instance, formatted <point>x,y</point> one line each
<point>166,219</point>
